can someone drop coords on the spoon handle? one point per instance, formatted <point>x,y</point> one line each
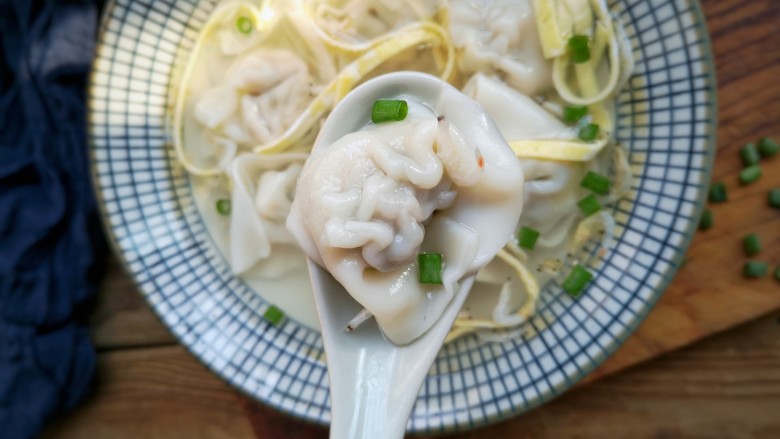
<point>373,383</point>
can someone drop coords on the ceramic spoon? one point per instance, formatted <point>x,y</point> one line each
<point>374,383</point>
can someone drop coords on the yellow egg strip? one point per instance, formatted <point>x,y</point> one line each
<point>554,26</point>
<point>349,77</point>
<point>377,52</point>
<point>463,325</point>
<point>561,63</point>
<point>588,82</point>
<point>181,95</point>
<point>556,149</point>
<point>581,16</point>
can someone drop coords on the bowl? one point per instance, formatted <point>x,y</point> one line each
<point>666,120</point>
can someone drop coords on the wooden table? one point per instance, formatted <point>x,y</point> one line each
<point>727,386</point>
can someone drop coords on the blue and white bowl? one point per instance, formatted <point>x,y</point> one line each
<point>666,120</point>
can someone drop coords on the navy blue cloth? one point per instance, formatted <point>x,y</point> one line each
<point>49,237</point>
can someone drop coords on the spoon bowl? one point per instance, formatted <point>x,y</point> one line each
<point>373,382</point>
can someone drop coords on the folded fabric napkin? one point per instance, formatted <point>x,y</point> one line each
<point>49,237</point>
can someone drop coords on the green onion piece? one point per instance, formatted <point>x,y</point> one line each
<point>386,110</point>
<point>273,315</point>
<point>244,25</point>
<point>589,132</point>
<point>718,193</point>
<point>596,183</point>
<point>768,147</point>
<point>750,174</point>
<point>749,155</point>
<point>774,197</point>
<point>755,269</point>
<point>752,244</point>
<point>572,114</point>
<point>576,281</point>
<point>527,238</point>
<point>430,268</point>
<point>223,207</point>
<point>777,273</point>
<point>579,49</point>
<point>589,205</point>
<point>706,220</point>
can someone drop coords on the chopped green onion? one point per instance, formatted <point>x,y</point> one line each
<point>273,315</point>
<point>596,183</point>
<point>527,238</point>
<point>430,268</point>
<point>755,269</point>
<point>752,244</point>
<point>223,207</point>
<point>749,155</point>
<point>386,110</point>
<point>576,281</point>
<point>578,48</point>
<point>244,25</point>
<point>706,220</point>
<point>589,132</point>
<point>718,193</point>
<point>777,272</point>
<point>572,114</point>
<point>750,174</point>
<point>589,205</point>
<point>768,147</point>
<point>774,197</point>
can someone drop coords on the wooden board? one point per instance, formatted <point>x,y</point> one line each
<point>724,388</point>
<point>140,361</point>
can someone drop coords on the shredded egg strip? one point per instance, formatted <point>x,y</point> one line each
<point>557,21</point>
<point>379,51</point>
<point>605,38</point>
<point>464,324</point>
<point>408,37</point>
<point>178,117</point>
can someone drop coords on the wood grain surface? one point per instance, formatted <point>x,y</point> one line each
<point>724,387</point>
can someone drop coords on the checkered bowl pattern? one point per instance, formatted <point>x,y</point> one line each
<point>666,120</point>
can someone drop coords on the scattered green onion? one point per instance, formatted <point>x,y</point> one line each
<point>589,132</point>
<point>749,155</point>
<point>578,48</point>
<point>752,244</point>
<point>576,281</point>
<point>777,273</point>
<point>750,174</point>
<point>572,114</point>
<point>386,110</point>
<point>430,268</point>
<point>706,220</point>
<point>774,197</point>
<point>755,269</point>
<point>244,25</point>
<point>768,147</point>
<point>589,205</point>
<point>718,193</point>
<point>223,207</point>
<point>527,238</point>
<point>273,315</point>
<point>596,183</point>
